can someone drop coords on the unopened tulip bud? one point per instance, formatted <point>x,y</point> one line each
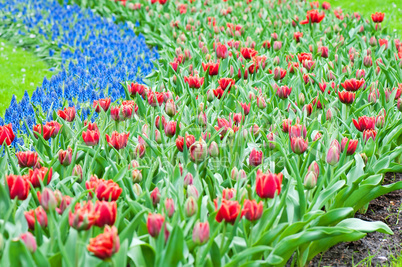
<point>202,119</point>
<point>198,151</point>
<point>261,104</point>
<point>213,149</point>
<point>158,136</point>
<point>192,191</point>
<point>155,196</point>
<point>136,176</point>
<point>190,206</point>
<point>188,180</point>
<point>329,115</point>
<point>277,45</point>
<point>169,206</point>
<point>314,168</point>
<point>373,41</point>
<point>65,156</point>
<point>77,171</point>
<point>210,96</point>
<point>333,155</point>
<point>364,157</point>
<point>302,99</point>
<point>48,199</point>
<point>367,61</point>
<point>137,189</point>
<point>201,233</point>
<point>234,174</point>
<point>310,180</point>
<point>29,241</point>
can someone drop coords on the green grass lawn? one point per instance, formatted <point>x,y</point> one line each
<point>391,8</point>
<point>20,70</point>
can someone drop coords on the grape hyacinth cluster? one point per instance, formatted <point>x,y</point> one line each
<point>96,55</point>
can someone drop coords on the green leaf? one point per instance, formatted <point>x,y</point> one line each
<point>364,226</point>
<point>174,248</point>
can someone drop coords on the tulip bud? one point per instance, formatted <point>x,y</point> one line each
<point>29,241</point>
<point>399,104</point>
<point>137,189</point>
<point>210,96</point>
<point>364,157</point>
<point>198,151</point>
<point>188,180</point>
<point>373,41</point>
<point>333,155</point>
<point>202,119</point>
<point>261,104</point>
<point>136,176</point>
<point>77,171</point>
<point>367,61</point>
<point>302,99</point>
<point>190,206</point>
<point>255,158</point>
<point>201,233</point>
<point>277,45</point>
<point>213,149</point>
<point>48,199</point>
<point>155,196</point>
<point>170,128</point>
<point>234,174</point>
<point>192,191</point>
<point>170,108</point>
<point>158,136</point>
<point>169,206</point>
<point>65,157</point>
<point>310,180</point>
<point>329,115</point>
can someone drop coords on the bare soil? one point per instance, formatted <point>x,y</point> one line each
<point>376,249</point>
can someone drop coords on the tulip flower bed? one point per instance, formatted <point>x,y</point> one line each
<point>265,128</point>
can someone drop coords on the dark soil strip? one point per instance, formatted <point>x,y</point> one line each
<point>376,249</point>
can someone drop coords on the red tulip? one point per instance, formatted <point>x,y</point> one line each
<point>267,184</point>
<point>154,224</point>
<point>313,17</point>
<point>333,155</point>
<point>351,147</point>
<point>194,82</point>
<point>107,212</point>
<point>65,202</point>
<point>136,88</point>
<point>213,68</point>
<point>297,36</point>
<point>198,151</point>
<point>221,51</point>
<point>103,103</point>
<point>29,241</point>
<point>155,196</point>
<point>18,186</point>
<point>286,124</point>
<point>346,97</point>
<point>228,211</point>
<point>298,145</point>
<point>364,123</point>
<point>6,134</point>
<point>46,131</point>
<point>40,174</point>
<point>27,158</point>
<point>65,156</point>
<point>83,216</point>
<point>91,138</point>
<point>106,244</point>
<point>326,6</point>
<point>248,53</point>
<point>170,128</point>
<point>174,64</point>
<point>255,158</point>
<point>55,125</point>
<point>246,108</point>
<point>48,199</point>
<point>190,139</point>
<point>117,140</point>
<point>228,193</point>
<point>226,83</point>
<point>283,92</point>
<point>169,206</point>
<point>155,98</point>
<point>352,85</point>
<point>279,73</point>
<point>201,233</point>
<point>37,215</point>
<point>369,133</point>
<point>68,114</point>
<point>297,130</point>
<point>377,17</point>
<point>104,189</point>
<point>304,56</point>
<point>251,210</point>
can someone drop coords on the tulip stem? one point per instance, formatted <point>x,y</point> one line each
<point>12,210</point>
<point>223,237</point>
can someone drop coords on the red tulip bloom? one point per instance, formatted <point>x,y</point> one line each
<point>40,174</point>
<point>352,85</point>
<point>117,140</point>
<point>313,17</point>
<point>66,156</point>
<point>170,128</point>
<point>304,56</point>
<point>68,114</point>
<point>46,131</point>
<point>364,123</point>
<point>37,215</point>
<point>297,36</point>
<point>228,211</point>
<point>104,189</point>
<point>297,130</point>
<point>106,244</point>
<point>175,65</point>
<point>155,98</point>
<point>377,17</point>
<point>326,6</point>
<point>83,216</point>
<point>213,68</point>
<point>266,44</point>
<point>154,224</point>
<point>286,124</point>
<point>346,97</point>
<point>55,125</point>
<point>221,51</point>
<point>136,88</point>
<point>298,145</point>
<point>251,210</point>
<point>369,133</point>
<point>351,147</point>
<point>267,184</point>
<point>194,82</point>
<point>18,186</point>
<point>91,138</point>
<point>27,158</point>
<point>103,103</point>
<point>107,212</point>
<point>226,83</point>
<point>201,233</point>
<point>158,121</point>
<point>248,53</point>
<point>29,241</point>
<point>279,73</point>
<point>246,108</point>
<point>65,202</point>
<point>6,134</point>
<point>190,139</point>
<point>255,158</point>
<point>155,196</point>
<point>283,92</point>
